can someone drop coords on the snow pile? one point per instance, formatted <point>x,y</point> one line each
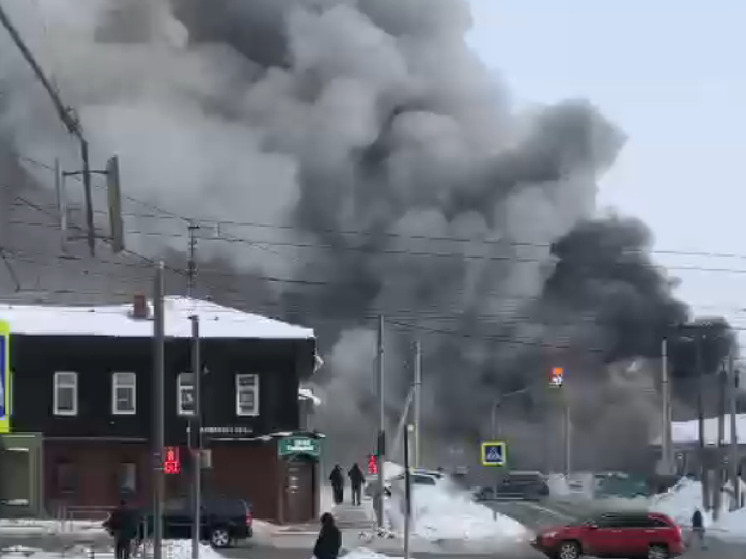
<point>32,526</point>
<point>364,553</point>
<point>182,549</point>
<point>441,513</point>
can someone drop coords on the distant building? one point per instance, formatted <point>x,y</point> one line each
<point>82,408</point>
<point>685,439</point>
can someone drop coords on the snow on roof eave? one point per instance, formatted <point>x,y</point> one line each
<point>115,321</point>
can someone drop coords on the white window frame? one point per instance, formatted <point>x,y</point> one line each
<point>117,381</point>
<point>254,389</point>
<point>62,380</point>
<point>182,383</point>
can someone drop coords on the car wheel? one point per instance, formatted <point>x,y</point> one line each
<point>658,552</point>
<point>220,537</point>
<point>569,550</point>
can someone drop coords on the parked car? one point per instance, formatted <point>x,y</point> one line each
<point>631,535</point>
<point>223,521</point>
<point>525,486</point>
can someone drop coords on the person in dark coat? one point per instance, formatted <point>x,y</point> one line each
<point>698,529</point>
<point>329,541</point>
<point>122,524</point>
<point>356,482</point>
<point>337,480</point>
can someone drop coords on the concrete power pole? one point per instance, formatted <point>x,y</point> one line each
<point>159,365</point>
<point>196,437</point>
<point>417,403</point>
<point>68,118</point>
<point>666,442</point>
<point>720,448</point>
<point>731,389</point>
<point>702,451</point>
<point>381,425</point>
<point>567,431</point>
<point>192,261</point>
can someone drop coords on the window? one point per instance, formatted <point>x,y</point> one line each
<point>127,478</point>
<point>66,478</point>
<point>247,395</point>
<point>185,394</point>
<point>65,398</point>
<point>123,393</point>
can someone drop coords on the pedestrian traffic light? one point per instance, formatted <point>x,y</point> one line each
<point>372,466</point>
<point>172,463</point>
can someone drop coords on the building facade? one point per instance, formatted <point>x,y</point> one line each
<point>82,405</point>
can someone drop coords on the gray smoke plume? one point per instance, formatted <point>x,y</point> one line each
<point>397,179</point>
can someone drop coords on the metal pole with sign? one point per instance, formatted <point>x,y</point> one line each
<point>196,437</point>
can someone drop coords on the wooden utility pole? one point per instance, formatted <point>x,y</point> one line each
<point>666,443</point>
<point>720,447</point>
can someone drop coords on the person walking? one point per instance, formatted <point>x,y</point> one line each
<point>698,529</point>
<point>122,525</point>
<point>356,483</point>
<point>329,541</point>
<point>338,484</point>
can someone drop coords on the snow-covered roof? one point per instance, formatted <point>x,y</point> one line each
<point>683,432</point>
<point>215,321</point>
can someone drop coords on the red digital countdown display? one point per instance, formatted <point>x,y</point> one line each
<point>172,463</point>
<point>372,466</point>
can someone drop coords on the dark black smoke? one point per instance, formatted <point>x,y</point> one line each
<point>403,183</point>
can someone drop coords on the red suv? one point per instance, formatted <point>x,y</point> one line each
<point>628,535</point>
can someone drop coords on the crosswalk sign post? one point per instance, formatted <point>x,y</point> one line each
<point>494,453</point>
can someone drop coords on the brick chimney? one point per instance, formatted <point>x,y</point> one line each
<point>140,306</point>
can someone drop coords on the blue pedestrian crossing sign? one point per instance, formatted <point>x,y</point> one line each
<point>494,453</point>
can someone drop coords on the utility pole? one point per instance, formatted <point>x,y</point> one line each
<point>703,464</point>
<point>407,491</point>
<point>66,115</point>
<point>731,389</point>
<point>196,437</point>
<point>666,442</point>
<point>192,262</point>
<point>417,403</point>
<point>159,365</point>
<point>493,436</point>
<point>567,433</point>
<point>381,425</point>
<point>720,448</point>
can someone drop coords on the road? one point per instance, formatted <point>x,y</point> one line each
<point>533,515</point>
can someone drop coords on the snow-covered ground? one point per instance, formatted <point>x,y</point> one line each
<point>25,526</point>
<point>172,549</point>
<point>444,512</point>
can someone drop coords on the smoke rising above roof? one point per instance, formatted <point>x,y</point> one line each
<point>400,180</point>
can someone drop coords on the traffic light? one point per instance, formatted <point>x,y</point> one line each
<point>372,465</point>
<point>172,463</point>
<point>557,377</point>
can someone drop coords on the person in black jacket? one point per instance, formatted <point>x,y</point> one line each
<point>337,480</point>
<point>356,482</point>
<point>122,524</point>
<point>698,529</point>
<point>329,541</point>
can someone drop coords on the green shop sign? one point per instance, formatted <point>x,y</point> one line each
<point>299,445</point>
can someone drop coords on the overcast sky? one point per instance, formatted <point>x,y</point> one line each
<point>672,76</point>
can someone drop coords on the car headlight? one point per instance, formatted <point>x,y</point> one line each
<point>549,534</point>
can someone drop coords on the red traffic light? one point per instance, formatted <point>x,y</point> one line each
<point>372,465</point>
<point>171,463</point>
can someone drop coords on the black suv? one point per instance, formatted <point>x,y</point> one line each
<point>526,486</point>
<point>223,521</point>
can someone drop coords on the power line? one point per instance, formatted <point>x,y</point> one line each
<point>166,214</point>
